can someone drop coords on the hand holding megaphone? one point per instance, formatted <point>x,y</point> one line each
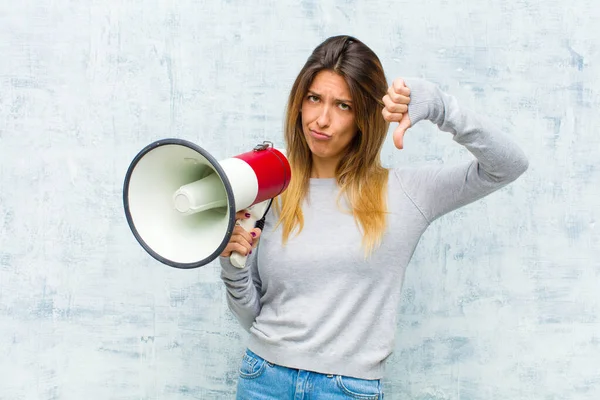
<point>181,203</point>
<point>245,237</point>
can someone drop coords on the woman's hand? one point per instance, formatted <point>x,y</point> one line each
<point>396,109</point>
<point>241,240</point>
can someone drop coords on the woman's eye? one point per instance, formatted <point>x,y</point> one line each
<point>312,99</point>
<point>344,106</point>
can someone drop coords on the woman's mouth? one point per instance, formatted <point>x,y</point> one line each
<point>319,135</point>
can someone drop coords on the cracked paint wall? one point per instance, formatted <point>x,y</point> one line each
<point>501,299</point>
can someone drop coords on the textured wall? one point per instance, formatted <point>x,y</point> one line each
<point>502,298</point>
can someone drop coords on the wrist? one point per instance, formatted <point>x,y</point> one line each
<point>426,102</point>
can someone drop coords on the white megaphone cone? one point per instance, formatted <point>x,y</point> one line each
<point>180,203</point>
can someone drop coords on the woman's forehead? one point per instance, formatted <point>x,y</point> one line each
<point>328,83</point>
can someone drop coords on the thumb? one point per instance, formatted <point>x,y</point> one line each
<point>400,130</point>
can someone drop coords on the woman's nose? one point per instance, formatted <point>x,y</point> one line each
<point>324,118</point>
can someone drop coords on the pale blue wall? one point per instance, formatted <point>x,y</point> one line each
<point>502,298</point>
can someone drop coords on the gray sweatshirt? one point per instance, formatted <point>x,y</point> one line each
<point>317,304</point>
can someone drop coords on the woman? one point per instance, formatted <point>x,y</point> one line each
<point>320,296</point>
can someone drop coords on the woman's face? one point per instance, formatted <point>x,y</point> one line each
<point>328,116</point>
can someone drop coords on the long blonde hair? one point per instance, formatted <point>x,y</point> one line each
<point>360,175</point>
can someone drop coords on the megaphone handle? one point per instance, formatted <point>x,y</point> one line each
<point>257,212</point>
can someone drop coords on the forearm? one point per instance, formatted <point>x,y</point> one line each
<point>243,296</point>
<point>498,160</point>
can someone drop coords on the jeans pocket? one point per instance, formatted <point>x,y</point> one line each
<point>252,365</point>
<point>365,389</point>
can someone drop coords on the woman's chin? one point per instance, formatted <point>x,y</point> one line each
<point>323,153</point>
<point>320,154</point>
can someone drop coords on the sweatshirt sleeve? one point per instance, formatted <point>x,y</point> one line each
<point>242,289</point>
<point>437,190</point>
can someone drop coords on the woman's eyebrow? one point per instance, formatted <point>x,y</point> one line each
<point>312,92</point>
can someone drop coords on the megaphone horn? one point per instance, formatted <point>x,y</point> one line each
<point>180,203</point>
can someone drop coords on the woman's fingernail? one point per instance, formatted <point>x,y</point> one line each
<point>250,251</point>
<point>247,215</point>
<point>253,234</point>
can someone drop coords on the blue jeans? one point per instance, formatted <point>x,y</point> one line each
<point>262,380</point>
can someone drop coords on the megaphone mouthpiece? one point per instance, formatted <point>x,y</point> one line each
<point>201,195</point>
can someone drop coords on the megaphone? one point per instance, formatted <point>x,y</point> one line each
<point>180,202</point>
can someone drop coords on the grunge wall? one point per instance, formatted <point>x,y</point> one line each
<point>501,299</point>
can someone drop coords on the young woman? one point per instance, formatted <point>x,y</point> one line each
<point>320,295</point>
